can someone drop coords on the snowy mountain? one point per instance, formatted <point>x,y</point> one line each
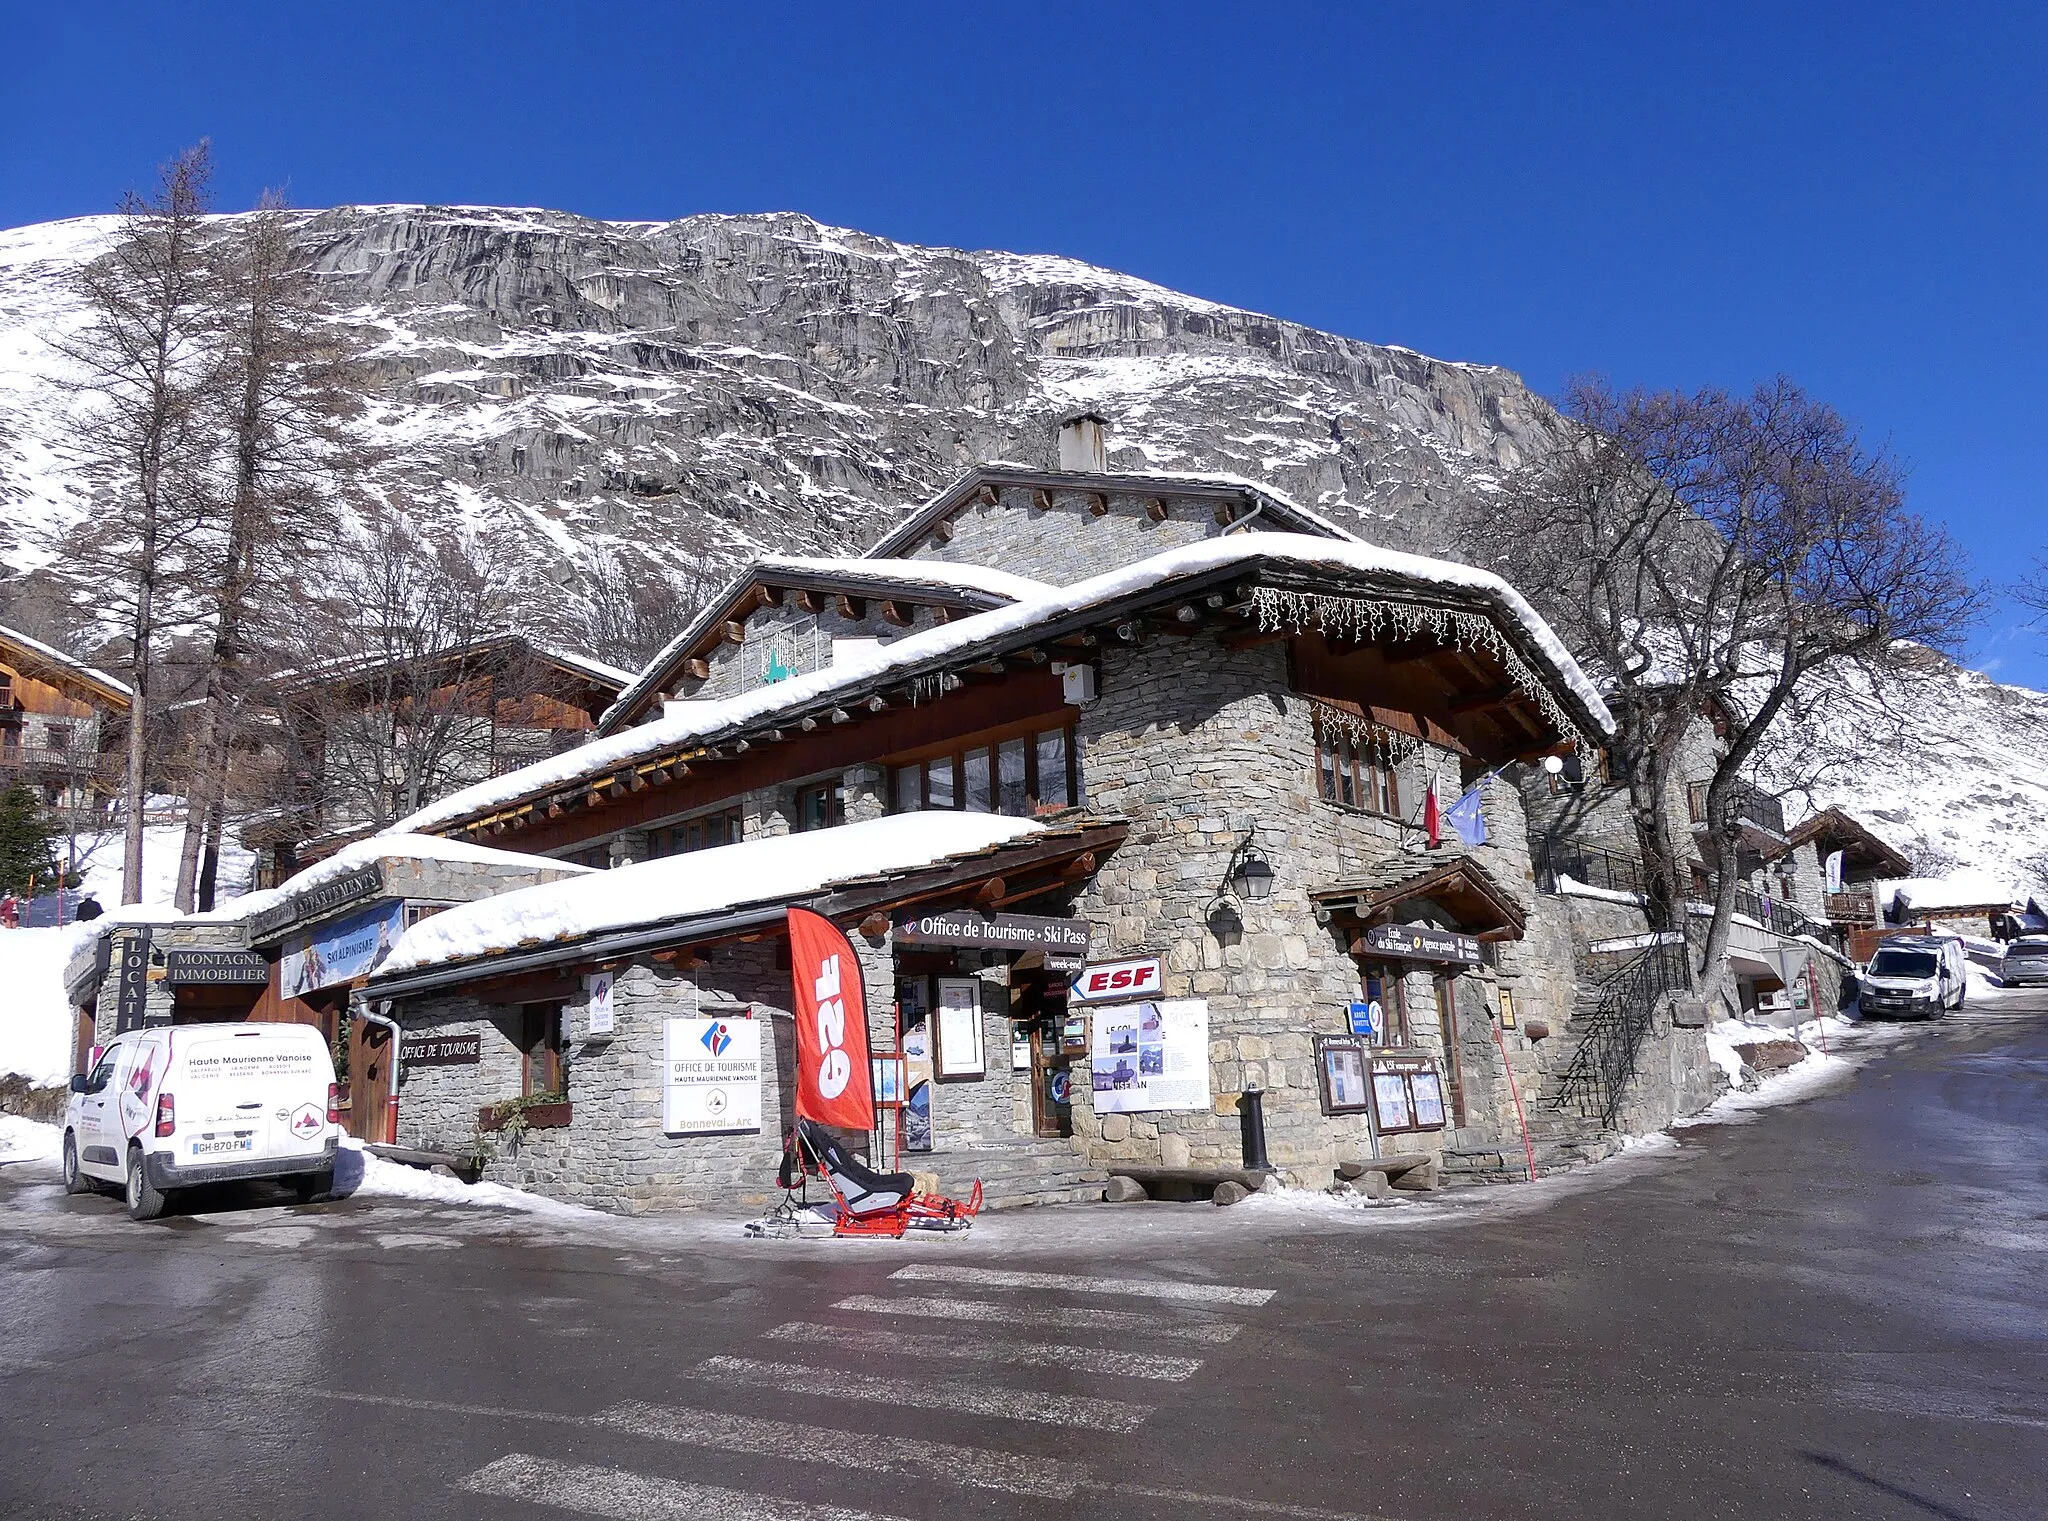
<point>704,389</point>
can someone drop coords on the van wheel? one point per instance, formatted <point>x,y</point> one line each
<point>308,1186</point>
<point>75,1181</point>
<point>145,1200</point>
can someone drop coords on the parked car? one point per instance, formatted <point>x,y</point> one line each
<point>170,1107</point>
<point>1920,976</point>
<point>2026,960</point>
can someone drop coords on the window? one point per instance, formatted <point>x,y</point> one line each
<point>820,807</point>
<point>704,832</point>
<point>58,736</point>
<point>540,1048</point>
<point>1019,775</point>
<point>1350,777</point>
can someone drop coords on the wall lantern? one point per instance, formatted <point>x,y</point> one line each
<point>1225,925</point>
<point>1253,879</point>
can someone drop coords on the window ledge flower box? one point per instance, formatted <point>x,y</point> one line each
<point>554,1115</point>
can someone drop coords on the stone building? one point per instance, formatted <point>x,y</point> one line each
<point>1211,762</point>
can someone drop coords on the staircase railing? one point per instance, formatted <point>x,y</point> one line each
<point>1596,1079</point>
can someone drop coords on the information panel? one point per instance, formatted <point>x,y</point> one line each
<point>1150,1056</point>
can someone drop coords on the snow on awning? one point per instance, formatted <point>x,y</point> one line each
<point>679,890</point>
<point>1962,891</point>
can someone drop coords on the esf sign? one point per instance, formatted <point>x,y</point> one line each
<point>1120,980</point>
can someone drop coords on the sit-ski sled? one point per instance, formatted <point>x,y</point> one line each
<point>864,1202</point>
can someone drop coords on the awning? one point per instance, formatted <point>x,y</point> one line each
<point>1460,888</point>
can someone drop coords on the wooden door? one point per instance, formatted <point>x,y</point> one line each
<point>1454,1074</point>
<point>370,1063</point>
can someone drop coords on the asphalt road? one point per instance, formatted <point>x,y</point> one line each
<point>1837,1309</point>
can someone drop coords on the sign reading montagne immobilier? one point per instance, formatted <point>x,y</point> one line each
<point>201,968</point>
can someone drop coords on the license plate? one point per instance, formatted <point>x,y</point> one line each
<point>216,1146</point>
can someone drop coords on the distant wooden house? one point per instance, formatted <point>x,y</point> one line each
<point>61,723</point>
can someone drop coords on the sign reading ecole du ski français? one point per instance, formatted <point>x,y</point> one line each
<point>713,1075</point>
<point>215,968</point>
<point>1139,977</point>
<point>1422,942</point>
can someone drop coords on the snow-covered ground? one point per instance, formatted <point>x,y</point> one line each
<point>161,845</point>
<point>28,1140</point>
<point>35,1016</point>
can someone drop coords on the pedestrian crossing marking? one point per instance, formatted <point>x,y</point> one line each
<point>981,1467</point>
<point>1217,1331</point>
<point>1139,1288</point>
<point>1026,1353</point>
<point>932,1394</point>
<point>614,1492</point>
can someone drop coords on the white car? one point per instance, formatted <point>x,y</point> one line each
<point>1916,975</point>
<point>172,1106</point>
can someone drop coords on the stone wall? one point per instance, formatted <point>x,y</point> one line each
<point>1068,543</point>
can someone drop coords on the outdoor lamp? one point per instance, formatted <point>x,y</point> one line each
<point>1253,879</point>
<point>1225,925</point>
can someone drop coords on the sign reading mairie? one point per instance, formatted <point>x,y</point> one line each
<point>190,968</point>
<point>1003,932</point>
<point>1422,942</point>
<point>366,882</point>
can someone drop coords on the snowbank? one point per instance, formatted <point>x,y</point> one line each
<point>701,882</point>
<point>28,1140</point>
<point>394,1180</point>
<point>35,1014</point>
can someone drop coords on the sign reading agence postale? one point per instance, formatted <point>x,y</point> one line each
<point>1422,942</point>
<point>1000,932</point>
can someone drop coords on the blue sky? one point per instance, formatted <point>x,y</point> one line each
<point>1854,195</point>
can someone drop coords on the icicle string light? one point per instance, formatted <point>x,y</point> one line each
<point>1368,620</point>
<point>1381,746</point>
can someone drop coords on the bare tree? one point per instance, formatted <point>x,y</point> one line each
<point>405,657</point>
<point>283,388</point>
<point>625,613</point>
<point>144,365</point>
<point>1712,553</point>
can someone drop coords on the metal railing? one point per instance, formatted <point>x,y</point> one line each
<point>1596,1080</point>
<point>1594,866</point>
<point>1758,809</point>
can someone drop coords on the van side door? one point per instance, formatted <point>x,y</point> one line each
<point>97,1153</point>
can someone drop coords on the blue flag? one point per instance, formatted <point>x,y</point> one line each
<point>1465,817</point>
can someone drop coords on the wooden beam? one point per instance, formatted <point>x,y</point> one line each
<point>893,612</point>
<point>697,669</point>
<point>942,531</point>
<point>987,496</point>
<point>1479,702</point>
<point>942,614</point>
<point>1252,638</point>
<point>1155,509</point>
<point>1083,865</point>
<point>1411,652</point>
<point>991,891</point>
<point>735,631</point>
<point>1098,504</point>
<point>854,608</point>
<point>1042,499</point>
<point>808,601</point>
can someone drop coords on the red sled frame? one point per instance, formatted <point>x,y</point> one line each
<point>918,1211</point>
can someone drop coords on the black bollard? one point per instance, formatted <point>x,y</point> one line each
<point>1251,1120</point>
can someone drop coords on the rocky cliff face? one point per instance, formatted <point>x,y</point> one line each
<point>701,389</point>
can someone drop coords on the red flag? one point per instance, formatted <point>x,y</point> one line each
<point>832,1083</point>
<point>1432,819</point>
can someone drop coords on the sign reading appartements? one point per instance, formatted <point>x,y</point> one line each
<point>997,932</point>
<point>366,882</point>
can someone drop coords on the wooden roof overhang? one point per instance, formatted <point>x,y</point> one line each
<point>1056,859</point>
<point>810,591</point>
<point>1463,889</point>
<point>72,678</point>
<point>1833,829</point>
<point>472,662</point>
<point>1218,601</point>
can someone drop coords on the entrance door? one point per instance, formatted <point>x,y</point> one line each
<point>370,1063</point>
<point>1039,1001</point>
<point>1447,1018</point>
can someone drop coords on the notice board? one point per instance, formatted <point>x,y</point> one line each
<point>1151,1056</point>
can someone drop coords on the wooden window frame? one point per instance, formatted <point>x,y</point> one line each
<point>548,1060</point>
<point>831,794</point>
<point>990,743</point>
<point>1340,767</point>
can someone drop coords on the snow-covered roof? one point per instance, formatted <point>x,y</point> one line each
<point>1960,890</point>
<point>692,886</point>
<point>384,848</point>
<point>349,665</point>
<point>1293,516</point>
<point>934,647</point>
<point>971,585</point>
<point>64,665</point>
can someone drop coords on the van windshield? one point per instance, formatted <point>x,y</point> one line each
<point>1903,964</point>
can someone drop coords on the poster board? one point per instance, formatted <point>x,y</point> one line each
<point>1407,1092</point>
<point>959,1020</point>
<point>712,1075</point>
<point>1343,1066</point>
<point>1151,1056</point>
<point>914,1040</point>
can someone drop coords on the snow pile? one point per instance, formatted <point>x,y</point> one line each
<point>701,882</point>
<point>35,1014</point>
<point>1958,890</point>
<point>934,646</point>
<point>28,1140</point>
<point>381,1179</point>
<point>161,845</point>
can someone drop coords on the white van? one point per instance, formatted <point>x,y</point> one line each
<point>1924,975</point>
<point>171,1106</point>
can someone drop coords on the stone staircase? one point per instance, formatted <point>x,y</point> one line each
<point>1015,1172</point>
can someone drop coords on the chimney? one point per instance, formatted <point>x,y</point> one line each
<point>1081,443</point>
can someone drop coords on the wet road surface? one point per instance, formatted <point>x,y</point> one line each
<point>1837,1308</point>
